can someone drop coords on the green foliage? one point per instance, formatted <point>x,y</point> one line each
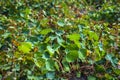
<point>82,54</point>
<point>71,56</point>
<point>59,39</point>
<point>25,47</point>
<point>91,78</point>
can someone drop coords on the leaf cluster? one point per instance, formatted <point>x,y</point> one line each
<point>59,39</point>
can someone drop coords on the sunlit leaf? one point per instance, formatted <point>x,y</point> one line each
<point>51,51</point>
<point>74,37</point>
<point>93,35</point>
<point>45,31</point>
<point>25,47</point>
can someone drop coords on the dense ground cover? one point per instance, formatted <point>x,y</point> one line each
<point>59,39</point>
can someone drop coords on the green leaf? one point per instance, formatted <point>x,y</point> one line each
<point>109,77</point>
<point>65,9</point>
<point>50,75</point>
<point>27,11</point>
<point>100,68</point>
<point>61,23</point>
<point>93,35</point>
<point>111,59</point>
<point>74,37</point>
<point>0,76</point>
<point>57,66</point>
<point>60,40</point>
<point>59,32</point>
<point>82,54</point>
<point>91,78</point>
<point>47,40</point>
<point>100,45</point>
<point>44,22</point>
<point>50,65</point>
<point>51,51</point>
<point>117,71</point>
<point>5,35</point>
<point>71,47</point>
<point>98,54</point>
<point>72,56</point>
<point>66,65</point>
<point>25,47</point>
<point>45,31</point>
<point>78,74</point>
<point>39,62</point>
<point>77,43</point>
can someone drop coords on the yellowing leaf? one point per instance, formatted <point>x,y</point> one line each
<point>15,43</point>
<point>25,47</point>
<point>88,53</point>
<point>17,54</point>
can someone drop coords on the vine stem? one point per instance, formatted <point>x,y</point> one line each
<point>59,64</point>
